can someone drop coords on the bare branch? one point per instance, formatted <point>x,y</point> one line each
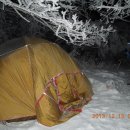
<point>21,15</point>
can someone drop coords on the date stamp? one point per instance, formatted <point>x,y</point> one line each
<point>110,116</point>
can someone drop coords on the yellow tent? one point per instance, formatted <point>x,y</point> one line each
<point>39,79</point>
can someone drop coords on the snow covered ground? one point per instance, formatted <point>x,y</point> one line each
<point>109,109</point>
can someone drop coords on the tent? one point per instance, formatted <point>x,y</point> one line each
<point>38,79</point>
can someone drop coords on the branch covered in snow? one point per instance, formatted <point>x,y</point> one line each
<point>65,26</point>
<point>111,10</point>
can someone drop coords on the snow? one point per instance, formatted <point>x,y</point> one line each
<point>111,98</point>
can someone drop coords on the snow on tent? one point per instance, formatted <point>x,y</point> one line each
<point>39,79</point>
